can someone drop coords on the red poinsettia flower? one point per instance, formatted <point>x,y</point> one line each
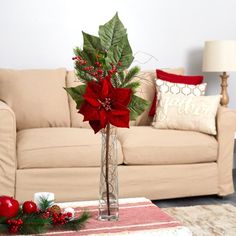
<point>105,104</point>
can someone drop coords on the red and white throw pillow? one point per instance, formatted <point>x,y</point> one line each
<point>182,79</point>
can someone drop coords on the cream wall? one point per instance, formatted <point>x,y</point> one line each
<point>42,33</point>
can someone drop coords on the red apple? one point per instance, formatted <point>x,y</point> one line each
<point>9,207</point>
<point>29,207</point>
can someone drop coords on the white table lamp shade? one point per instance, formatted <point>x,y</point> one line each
<point>219,56</point>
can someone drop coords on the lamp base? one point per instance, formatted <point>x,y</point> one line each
<point>225,97</point>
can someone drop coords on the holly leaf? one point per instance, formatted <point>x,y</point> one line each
<point>76,94</point>
<point>91,43</point>
<point>112,32</point>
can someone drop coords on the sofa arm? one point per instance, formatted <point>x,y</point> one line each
<point>226,128</point>
<point>7,150</point>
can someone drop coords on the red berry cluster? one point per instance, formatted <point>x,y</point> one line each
<point>61,218</point>
<point>80,60</point>
<point>96,71</point>
<point>112,71</point>
<point>14,225</point>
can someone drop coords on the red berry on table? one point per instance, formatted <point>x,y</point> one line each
<point>9,207</point>
<point>29,207</point>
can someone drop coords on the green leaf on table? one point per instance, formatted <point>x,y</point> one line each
<point>112,32</point>
<point>137,106</point>
<point>76,94</point>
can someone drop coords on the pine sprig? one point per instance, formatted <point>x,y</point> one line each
<point>121,76</point>
<point>3,228</point>
<point>34,224</point>
<point>44,203</point>
<point>2,219</point>
<point>78,223</point>
<point>133,85</point>
<point>130,75</point>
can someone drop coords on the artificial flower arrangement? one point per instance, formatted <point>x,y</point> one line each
<point>107,94</point>
<point>106,97</point>
<point>30,218</point>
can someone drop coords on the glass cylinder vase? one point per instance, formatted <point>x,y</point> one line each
<point>108,189</point>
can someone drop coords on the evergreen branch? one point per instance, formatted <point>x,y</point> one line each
<point>83,76</point>
<point>78,223</point>
<point>115,82</point>
<point>3,228</point>
<point>131,73</point>
<point>133,85</point>
<point>44,203</point>
<point>33,224</point>
<point>121,76</point>
<point>2,219</point>
<point>84,54</point>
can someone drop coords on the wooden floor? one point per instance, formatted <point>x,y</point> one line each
<point>191,201</point>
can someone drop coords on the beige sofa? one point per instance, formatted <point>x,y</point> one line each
<point>45,146</point>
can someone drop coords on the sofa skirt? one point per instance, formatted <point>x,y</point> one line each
<point>153,182</point>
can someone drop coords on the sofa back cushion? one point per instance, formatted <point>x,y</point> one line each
<point>36,96</point>
<point>147,91</point>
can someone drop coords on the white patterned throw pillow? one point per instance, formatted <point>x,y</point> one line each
<point>177,88</point>
<point>195,113</point>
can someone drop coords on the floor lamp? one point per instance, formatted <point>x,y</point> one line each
<point>220,56</point>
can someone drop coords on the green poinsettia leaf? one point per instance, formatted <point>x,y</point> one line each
<point>137,106</point>
<point>91,43</point>
<point>121,53</point>
<point>76,94</point>
<point>112,32</point>
<point>127,55</point>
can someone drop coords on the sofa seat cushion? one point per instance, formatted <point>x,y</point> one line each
<point>59,147</point>
<point>148,146</point>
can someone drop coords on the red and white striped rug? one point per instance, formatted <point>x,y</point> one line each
<point>138,216</point>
